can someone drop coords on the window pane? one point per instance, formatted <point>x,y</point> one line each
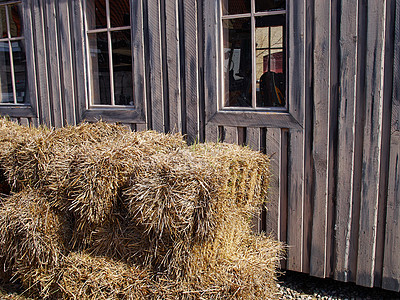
<point>122,65</point>
<point>20,71</point>
<point>5,74</point>
<point>265,5</point>
<point>237,62</point>
<point>119,13</point>
<point>232,7</point>
<point>270,62</point>
<point>96,14</point>
<point>15,19</point>
<point>3,22</point>
<point>99,68</point>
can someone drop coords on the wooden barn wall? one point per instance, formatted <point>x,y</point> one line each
<point>335,192</point>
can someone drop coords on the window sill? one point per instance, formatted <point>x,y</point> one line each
<point>17,110</point>
<point>113,114</point>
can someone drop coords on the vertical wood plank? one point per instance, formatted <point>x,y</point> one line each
<point>54,71</point>
<point>191,69</point>
<point>141,127</point>
<point>211,133</point>
<point>65,48</point>
<point>391,267</point>
<point>253,138</point>
<point>230,135</point>
<point>347,211</point>
<point>320,137</point>
<point>41,64</point>
<point>155,65</point>
<point>173,65</point>
<point>372,150</point>
<point>391,264</point>
<point>272,149</point>
<point>30,55</point>
<point>283,190</point>
<point>24,122</point>
<point>295,203</point>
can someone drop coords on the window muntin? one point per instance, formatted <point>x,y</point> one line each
<point>254,54</point>
<point>13,73</point>
<point>109,52</point>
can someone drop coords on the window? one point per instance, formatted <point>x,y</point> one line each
<point>109,53</point>
<point>13,73</point>
<point>254,54</point>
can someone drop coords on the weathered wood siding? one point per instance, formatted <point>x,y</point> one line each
<point>335,195</point>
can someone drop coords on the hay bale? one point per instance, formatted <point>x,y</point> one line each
<point>32,234</point>
<point>89,277</point>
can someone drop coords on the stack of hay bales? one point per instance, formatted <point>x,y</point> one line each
<point>97,211</point>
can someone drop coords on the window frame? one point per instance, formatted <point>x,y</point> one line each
<point>291,116</point>
<point>252,15</point>
<point>111,113</point>
<point>29,109</point>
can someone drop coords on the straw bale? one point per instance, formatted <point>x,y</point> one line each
<point>32,234</point>
<point>89,277</point>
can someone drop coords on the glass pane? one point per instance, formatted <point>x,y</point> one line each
<point>122,65</point>
<point>233,7</point>
<point>3,22</point>
<point>237,62</point>
<point>119,13</point>
<point>20,71</point>
<point>270,62</point>
<point>99,68</point>
<point>265,5</point>
<point>15,19</point>
<point>5,74</point>
<point>96,14</point>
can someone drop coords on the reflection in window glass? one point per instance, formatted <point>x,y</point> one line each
<point>5,74</point>
<point>119,13</point>
<point>267,5</point>
<point>14,15</point>
<point>19,71</point>
<point>237,62</point>
<point>232,7</point>
<point>122,67</point>
<point>100,68</point>
<point>96,14</point>
<point>270,57</point>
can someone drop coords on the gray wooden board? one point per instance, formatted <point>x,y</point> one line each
<point>253,141</point>
<point>230,135</point>
<point>65,48</point>
<point>320,137</point>
<point>272,149</point>
<point>53,61</point>
<point>283,190</point>
<point>80,69</point>
<point>141,127</point>
<point>344,195</point>
<point>371,146</point>
<point>295,201</point>
<point>155,60</point>
<point>212,133</point>
<point>41,64</point>
<point>191,68</point>
<point>173,66</point>
<point>30,56</point>
<point>391,266</point>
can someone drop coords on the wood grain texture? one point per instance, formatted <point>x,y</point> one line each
<point>372,148</point>
<point>65,49</point>
<point>283,190</point>
<point>53,62</point>
<point>173,65</point>
<point>295,201</point>
<point>45,112</point>
<point>272,149</point>
<point>230,135</point>
<point>155,65</point>
<point>189,28</point>
<point>211,133</point>
<point>320,137</point>
<point>346,221</point>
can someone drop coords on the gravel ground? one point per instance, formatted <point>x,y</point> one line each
<point>301,286</point>
<point>292,285</point>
